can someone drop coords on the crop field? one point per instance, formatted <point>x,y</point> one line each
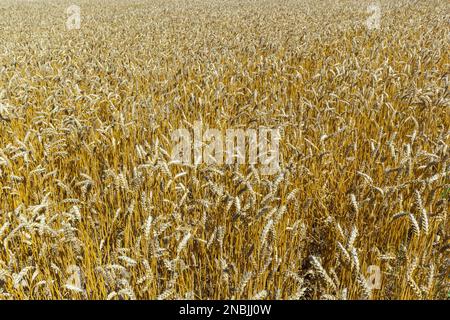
<point>94,205</point>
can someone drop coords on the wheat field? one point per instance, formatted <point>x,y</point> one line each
<point>92,207</point>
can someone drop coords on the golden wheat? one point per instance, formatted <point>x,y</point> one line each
<point>92,206</point>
